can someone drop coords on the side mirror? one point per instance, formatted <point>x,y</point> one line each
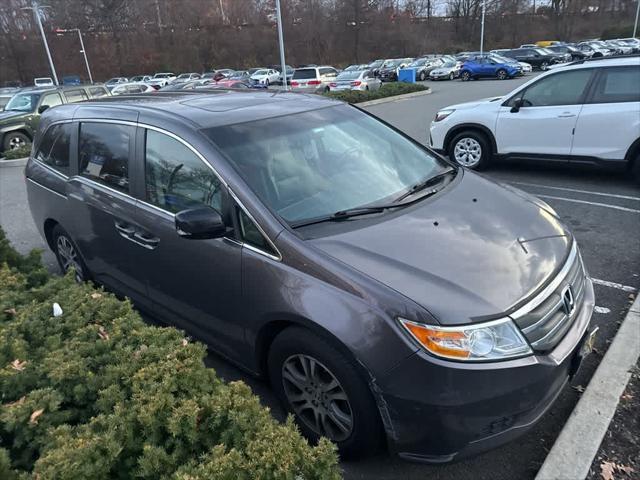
<point>42,108</point>
<point>200,223</point>
<point>517,105</point>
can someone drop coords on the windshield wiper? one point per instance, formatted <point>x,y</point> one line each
<point>348,213</point>
<point>426,183</point>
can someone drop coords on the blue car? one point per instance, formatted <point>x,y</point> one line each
<point>483,67</point>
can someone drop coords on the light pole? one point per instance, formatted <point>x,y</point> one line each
<point>281,41</point>
<point>482,29</point>
<point>36,12</point>
<point>635,25</point>
<point>83,51</point>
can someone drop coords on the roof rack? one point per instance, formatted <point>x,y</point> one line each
<point>597,59</point>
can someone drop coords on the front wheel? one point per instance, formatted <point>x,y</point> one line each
<point>266,82</point>
<point>465,76</point>
<point>15,140</point>
<point>451,76</point>
<point>544,66</point>
<point>422,76</point>
<point>325,391</point>
<point>470,149</point>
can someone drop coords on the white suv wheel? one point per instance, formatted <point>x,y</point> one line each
<point>467,152</point>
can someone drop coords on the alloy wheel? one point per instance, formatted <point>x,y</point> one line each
<point>451,76</point>
<point>16,142</point>
<point>68,257</point>
<point>317,397</point>
<point>467,152</point>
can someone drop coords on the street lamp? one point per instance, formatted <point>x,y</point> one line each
<point>482,29</point>
<point>36,13</point>
<point>83,51</point>
<point>635,25</point>
<point>281,41</point>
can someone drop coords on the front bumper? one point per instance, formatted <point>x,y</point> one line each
<point>439,411</point>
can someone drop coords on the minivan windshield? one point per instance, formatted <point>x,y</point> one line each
<point>23,102</point>
<point>313,164</point>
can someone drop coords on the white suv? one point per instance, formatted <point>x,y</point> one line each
<point>586,112</point>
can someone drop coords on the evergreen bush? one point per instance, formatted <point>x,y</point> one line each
<point>97,394</point>
<point>386,90</point>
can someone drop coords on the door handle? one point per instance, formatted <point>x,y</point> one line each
<point>566,115</point>
<point>125,229</point>
<point>146,240</point>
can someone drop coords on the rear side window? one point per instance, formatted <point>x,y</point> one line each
<point>54,147</point>
<point>75,95</point>
<point>617,84</point>
<point>304,74</point>
<point>97,92</point>
<point>176,178</point>
<point>104,152</point>
<point>564,88</point>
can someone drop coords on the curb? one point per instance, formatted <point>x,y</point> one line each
<point>575,448</point>
<point>395,98</point>
<point>18,162</point>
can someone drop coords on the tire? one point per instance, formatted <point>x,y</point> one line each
<point>354,407</point>
<point>451,76</point>
<point>635,168</point>
<point>266,82</point>
<point>366,88</point>
<point>465,76</point>
<point>470,149</point>
<point>422,76</point>
<point>13,140</point>
<point>544,66</point>
<point>62,241</point>
<point>501,74</point>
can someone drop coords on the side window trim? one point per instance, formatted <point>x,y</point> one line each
<point>595,83</point>
<point>586,94</point>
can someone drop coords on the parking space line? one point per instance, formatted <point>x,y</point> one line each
<point>596,204</point>
<point>576,190</point>
<point>619,286</point>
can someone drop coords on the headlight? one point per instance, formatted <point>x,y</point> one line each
<point>495,340</point>
<point>442,114</point>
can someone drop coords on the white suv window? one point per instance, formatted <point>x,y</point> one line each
<point>617,84</point>
<point>565,88</point>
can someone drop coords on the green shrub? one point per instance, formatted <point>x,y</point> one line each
<point>19,152</point>
<point>386,90</point>
<point>97,394</point>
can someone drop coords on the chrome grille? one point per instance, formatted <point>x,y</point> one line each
<point>547,317</point>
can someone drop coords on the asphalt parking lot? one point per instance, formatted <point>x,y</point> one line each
<point>602,208</point>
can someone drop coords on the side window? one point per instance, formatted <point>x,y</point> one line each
<point>618,84</point>
<point>97,92</point>
<point>54,147</point>
<point>75,95</point>
<point>564,88</point>
<point>176,178</point>
<point>51,100</point>
<point>251,234</point>
<point>104,152</point>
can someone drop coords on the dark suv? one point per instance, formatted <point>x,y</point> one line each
<point>380,288</point>
<point>21,115</point>
<point>533,56</point>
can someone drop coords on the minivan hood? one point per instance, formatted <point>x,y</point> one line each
<point>471,252</point>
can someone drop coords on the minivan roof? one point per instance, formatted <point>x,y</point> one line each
<point>215,107</point>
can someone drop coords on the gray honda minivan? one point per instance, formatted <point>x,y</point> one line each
<point>385,293</point>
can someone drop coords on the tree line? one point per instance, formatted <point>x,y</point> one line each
<point>126,37</point>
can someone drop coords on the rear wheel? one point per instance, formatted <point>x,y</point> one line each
<point>470,149</point>
<point>635,168</point>
<point>325,391</point>
<point>501,74</point>
<point>465,76</point>
<point>67,254</point>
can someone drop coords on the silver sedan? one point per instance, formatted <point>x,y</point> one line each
<point>362,80</point>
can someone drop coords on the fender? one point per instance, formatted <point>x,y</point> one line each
<point>464,126</point>
<point>633,150</point>
<point>17,126</point>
